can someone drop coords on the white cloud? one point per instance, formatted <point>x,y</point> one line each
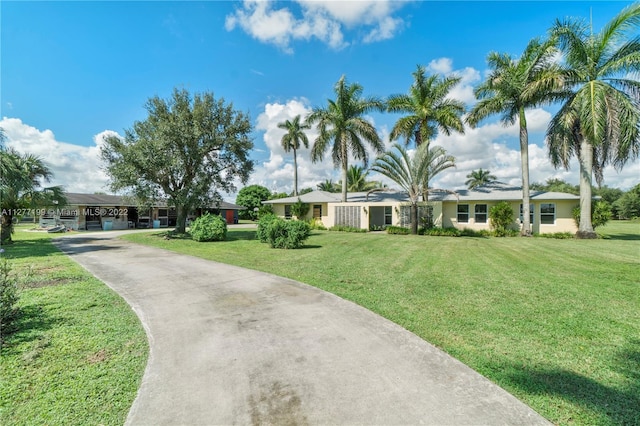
<point>322,20</point>
<point>463,91</point>
<point>76,168</point>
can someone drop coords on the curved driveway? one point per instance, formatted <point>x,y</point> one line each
<point>235,346</point>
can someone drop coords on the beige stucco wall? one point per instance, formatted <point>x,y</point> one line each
<point>563,219</point>
<point>278,210</point>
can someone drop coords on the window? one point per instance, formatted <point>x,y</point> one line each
<point>317,211</point>
<point>388,218</point>
<point>531,210</point>
<point>481,213</point>
<point>547,214</point>
<point>463,213</point>
<point>287,211</point>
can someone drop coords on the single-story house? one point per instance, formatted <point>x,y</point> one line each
<point>549,211</point>
<point>105,212</point>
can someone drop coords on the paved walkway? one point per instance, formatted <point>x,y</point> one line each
<point>235,346</point>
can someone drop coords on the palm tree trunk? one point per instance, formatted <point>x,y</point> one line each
<point>345,166</point>
<point>6,226</point>
<point>295,173</point>
<point>414,217</point>
<point>585,228</point>
<point>524,160</point>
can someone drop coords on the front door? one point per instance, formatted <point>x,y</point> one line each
<point>230,217</point>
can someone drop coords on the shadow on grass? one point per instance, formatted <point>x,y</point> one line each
<point>28,248</point>
<point>616,405</point>
<point>30,324</point>
<point>625,237</point>
<point>241,235</point>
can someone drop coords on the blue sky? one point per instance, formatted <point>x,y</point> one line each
<point>73,72</point>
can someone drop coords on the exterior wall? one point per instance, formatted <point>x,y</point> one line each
<point>563,216</point>
<point>327,221</point>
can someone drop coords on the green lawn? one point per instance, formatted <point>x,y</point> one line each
<point>79,351</point>
<point>555,322</point>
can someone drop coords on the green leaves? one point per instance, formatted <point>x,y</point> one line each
<point>188,149</point>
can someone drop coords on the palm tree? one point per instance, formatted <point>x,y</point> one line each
<point>413,173</point>
<point>343,129</point>
<point>357,180</point>
<point>478,178</point>
<point>428,109</point>
<point>291,141</point>
<point>327,185</point>
<point>513,86</point>
<point>600,118</point>
<point>20,187</point>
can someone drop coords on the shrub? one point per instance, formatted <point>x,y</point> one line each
<point>316,223</point>
<point>442,232</point>
<point>600,214</point>
<point>501,218</point>
<point>8,296</point>
<point>399,230</point>
<point>287,234</point>
<point>209,227</point>
<point>557,235</point>
<point>345,228</point>
<point>263,226</point>
<point>300,209</point>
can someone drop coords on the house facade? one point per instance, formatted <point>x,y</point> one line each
<point>550,212</point>
<point>95,212</point>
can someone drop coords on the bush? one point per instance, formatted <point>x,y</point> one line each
<point>557,235</point>
<point>316,223</point>
<point>442,232</point>
<point>209,227</point>
<point>501,218</point>
<point>345,228</point>
<point>8,296</point>
<point>263,225</point>
<point>287,234</point>
<point>398,230</point>
<point>600,214</point>
<point>300,209</point>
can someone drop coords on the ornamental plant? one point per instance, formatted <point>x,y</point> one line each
<point>501,218</point>
<point>209,227</point>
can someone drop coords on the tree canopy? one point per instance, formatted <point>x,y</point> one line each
<point>187,150</point>
<point>252,197</point>
<point>21,190</point>
<point>599,122</point>
<point>343,129</point>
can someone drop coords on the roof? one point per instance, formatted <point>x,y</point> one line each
<point>497,191</point>
<point>79,199</point>
<point>309,197</point>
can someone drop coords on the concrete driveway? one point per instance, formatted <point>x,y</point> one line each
<point>235,346</point>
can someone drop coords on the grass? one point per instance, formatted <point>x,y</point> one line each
<point>78,351</point>
<point>555,322</point>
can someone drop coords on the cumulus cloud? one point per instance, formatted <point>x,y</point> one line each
<point>322,20</point>
<point>76,168</point>
<point>469,77</point>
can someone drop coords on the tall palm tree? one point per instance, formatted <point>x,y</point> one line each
<point>413,173</point>
<point>513,86</point>
<point>20,187</point>
<point>600,119</point>
<point>342,128</point>
<point>478,178</point>
<point>291,142</point>
<point>428,108</point>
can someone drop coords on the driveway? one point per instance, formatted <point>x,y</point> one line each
<point>235,346</point>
